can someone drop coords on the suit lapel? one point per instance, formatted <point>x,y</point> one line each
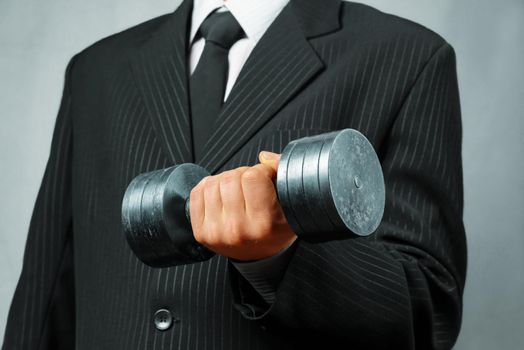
<point>280,65</point>
<point>160,70</point>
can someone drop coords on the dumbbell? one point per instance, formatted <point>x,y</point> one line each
<point>330,187</point>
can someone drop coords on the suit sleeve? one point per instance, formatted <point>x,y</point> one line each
<point>42,314</point>
<point>400,288</point>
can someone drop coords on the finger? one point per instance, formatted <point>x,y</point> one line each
<point>270,159</point>
<point>212,202</point>
<point>266,171</point>
<point>259,190</point>
<point>197,207</point>
<point>231,192</point>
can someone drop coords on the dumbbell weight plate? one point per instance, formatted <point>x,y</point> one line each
<point>340,228</point>
<point>310,204</point>
<point>153,216</point>
<point>310,182</point>
<point>282,187</point>
<point>288,185</point>
<point>299,188</point>
<point>295,188</point>
<point>349,198</point>
<point>356,183</point>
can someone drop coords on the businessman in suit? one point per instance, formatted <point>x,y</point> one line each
<point>215,83</point>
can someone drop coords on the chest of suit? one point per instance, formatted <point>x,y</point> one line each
<point>135,118</point>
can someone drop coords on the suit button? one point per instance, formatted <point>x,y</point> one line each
<point>163,319</point>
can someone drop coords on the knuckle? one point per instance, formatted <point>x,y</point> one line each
<point>234,227</point>
<point>263,227</point>
<point>199,237</point>
<point>212,241</point>
<point>196,189</point>
<point>262,169</point>
<point>251,175</point>
<point>202,182</point>
<point>259,167</point>
<point>228,177</point>
<point>201,234</point>
<point>209,240</point>
<point>211,180</point>
<point>194,194</point>
<point>241,170</point>
<point>234,239</point>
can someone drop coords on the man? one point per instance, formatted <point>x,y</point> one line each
<point>145,99</point>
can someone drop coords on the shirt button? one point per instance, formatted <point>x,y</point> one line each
<point>163,319</point>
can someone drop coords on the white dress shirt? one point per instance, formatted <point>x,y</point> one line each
<point>254,16</point>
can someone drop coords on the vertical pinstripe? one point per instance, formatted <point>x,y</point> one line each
<point>321,66</point>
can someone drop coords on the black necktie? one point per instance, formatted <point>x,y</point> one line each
<point>208,81</point>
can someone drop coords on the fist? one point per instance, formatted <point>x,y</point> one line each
<point>237,214</point>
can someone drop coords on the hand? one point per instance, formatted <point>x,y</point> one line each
<point>237,213</point>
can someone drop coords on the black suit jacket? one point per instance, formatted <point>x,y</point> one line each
<point>322,65</point>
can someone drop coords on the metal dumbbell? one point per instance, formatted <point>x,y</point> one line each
<point>330,186</point>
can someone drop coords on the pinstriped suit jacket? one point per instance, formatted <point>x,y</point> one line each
<point>322,65</point>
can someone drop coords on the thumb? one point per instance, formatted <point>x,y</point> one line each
<point>270,159</point>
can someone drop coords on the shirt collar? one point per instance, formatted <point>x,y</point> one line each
<point>254,16</point>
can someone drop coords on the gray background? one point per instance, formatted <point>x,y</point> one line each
<point>37,39</point>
